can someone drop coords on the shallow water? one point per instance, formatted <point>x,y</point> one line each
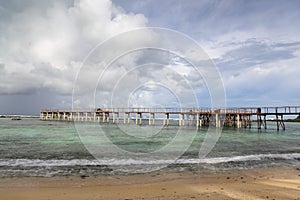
<point>31,147</point>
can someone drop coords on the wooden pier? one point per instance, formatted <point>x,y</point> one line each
<point>232,117</point>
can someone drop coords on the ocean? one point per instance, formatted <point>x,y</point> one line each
<point>31,147</point>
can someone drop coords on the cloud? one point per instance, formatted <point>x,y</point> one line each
<point>209,19</point>
<point>43,44</point>
<point>255,45</point>
<point>2,67</point>
<point>158,80</point>
<point>254,52</point>
<point>260,72</point>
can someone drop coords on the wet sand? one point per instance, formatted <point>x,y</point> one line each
<point>266,183</point>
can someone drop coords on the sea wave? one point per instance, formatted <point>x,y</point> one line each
<point>120,162</point>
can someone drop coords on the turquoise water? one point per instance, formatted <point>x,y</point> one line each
<point>31,147</point>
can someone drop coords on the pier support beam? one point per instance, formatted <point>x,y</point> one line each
<point>141,118</point>
<point>124,118</point>
<point>128,118</point>
<point>197,120</point>
<point>218,121</point>
<point>103,117</point>
<point>166,120</point>
<point>280,122</point>
<point>239,123</point>
<point>113,116</point>
<point>261,122</point>
<point>151,118</point>
<point>181,119</point>
<point>136,118</point>
<point>107,117</point>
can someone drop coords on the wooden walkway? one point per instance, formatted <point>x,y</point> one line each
<point>234,117</point>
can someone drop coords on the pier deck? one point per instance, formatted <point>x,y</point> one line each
<point>235,117</point>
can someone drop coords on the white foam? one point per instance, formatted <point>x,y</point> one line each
<point>120,162</point>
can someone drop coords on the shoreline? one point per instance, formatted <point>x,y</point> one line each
<point>258,183</point>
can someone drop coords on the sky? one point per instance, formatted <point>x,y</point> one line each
<point>49,49</point>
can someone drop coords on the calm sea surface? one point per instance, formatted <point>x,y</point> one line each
<point>31,147</point>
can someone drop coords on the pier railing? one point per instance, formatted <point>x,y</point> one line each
<point>286,110</point>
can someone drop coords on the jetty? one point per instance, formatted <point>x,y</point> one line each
<point>198,117</point>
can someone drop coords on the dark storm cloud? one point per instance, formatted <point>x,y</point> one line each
<point>31,104</point>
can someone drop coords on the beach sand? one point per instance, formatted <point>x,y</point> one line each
<point>263,183</point>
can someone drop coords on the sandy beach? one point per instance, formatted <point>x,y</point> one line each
<point>266,183</point>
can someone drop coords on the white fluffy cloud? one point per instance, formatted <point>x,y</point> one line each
<point>42,47</point>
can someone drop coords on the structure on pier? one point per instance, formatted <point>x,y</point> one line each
<point>234,117</point>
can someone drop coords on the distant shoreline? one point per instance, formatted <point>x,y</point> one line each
<point>21,116</point>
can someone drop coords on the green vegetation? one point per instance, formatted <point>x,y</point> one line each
<point>2,116</point>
